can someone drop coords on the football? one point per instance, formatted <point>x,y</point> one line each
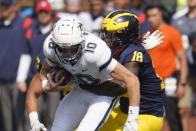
<point>59,73</point>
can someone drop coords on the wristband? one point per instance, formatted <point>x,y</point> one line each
<point>33,116</point>
<point>44,82</point>
<point>133,112</point>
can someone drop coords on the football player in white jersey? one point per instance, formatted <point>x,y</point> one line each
<point>90,61</point>
<point>74,102</point>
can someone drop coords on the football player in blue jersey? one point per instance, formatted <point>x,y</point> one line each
<point>120,29</point>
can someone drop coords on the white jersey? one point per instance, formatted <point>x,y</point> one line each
<point>95,64</point>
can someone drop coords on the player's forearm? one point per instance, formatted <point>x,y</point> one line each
<point>43,75</point>
<point>131,83</point>
<point>134,98</point>
<point>31,104</point>
<point>109,88</point>
<point>33,94</point>
<point>44,71</point>
<point>133,90</point>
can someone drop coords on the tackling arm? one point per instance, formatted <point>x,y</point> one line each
<point>131,83</point>
<point>112,87</point>
<point>33,94</point>
<point>43,74</point>
<point>109,88</point>
<point>133,67</point>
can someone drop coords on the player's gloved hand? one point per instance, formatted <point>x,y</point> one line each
<point>132,120</point>
<point>152,40</point>
<point>35,124</point>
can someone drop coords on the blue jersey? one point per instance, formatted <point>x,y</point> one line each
<point>151,86</point>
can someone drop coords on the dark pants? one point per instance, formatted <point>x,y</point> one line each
<point>172,110</point>
<point>172,113</point>
<point>23,123</point>
<point>8,100</point>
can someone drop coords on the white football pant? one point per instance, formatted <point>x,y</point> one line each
<point>82,110</point>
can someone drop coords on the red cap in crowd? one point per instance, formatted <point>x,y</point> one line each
<point>43,5</point>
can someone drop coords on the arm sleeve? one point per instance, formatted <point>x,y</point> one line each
<point>105,62</point>
<point>109,66</point>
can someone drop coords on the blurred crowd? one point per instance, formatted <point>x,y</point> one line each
<point>23,28</point>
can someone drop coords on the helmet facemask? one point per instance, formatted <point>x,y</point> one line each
<point>69,38</point>
<point>69,55</point>
<point>111,38</point>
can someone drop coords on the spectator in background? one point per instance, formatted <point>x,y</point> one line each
<point>93,19</point>
<point>108,6</point>
<point>170,6</point>
<point>126,5</point>
<point>139,5</point>
<point>186,25</point>
<point>164,58</point>
<point>72,9</point>
<point>191,55</point>
<point>57,5</point>
<point>12,41</point>
<point>37,29</point>
<point>154,1</point>
<point>180,5</point>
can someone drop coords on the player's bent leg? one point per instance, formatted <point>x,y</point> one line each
<point>150,123</point>
<point>116,121</point>
<point>147,123</point>
<point>97,113</point>
<point>70,111</point>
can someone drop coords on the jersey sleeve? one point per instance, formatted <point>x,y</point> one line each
<point>105,62</point>
<point>99,55</point>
